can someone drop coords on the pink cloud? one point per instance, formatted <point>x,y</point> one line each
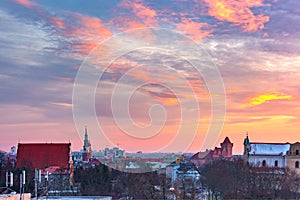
<point>26,3</point>
<point>196,30</point>
<point>58,22</point>
<point>142,14</point>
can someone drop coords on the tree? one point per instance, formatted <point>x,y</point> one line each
<point>236,180</point>
<point>102,180</point>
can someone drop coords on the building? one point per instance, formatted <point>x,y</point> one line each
<point>43,155</point>
<point>224,152</point>
<point>54,160</point>
<point>171,174</point>
<point>183,176</point>
<point>265,154</point>
<point>87,149</point>
<point>293,157</point>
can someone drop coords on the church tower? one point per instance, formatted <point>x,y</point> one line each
<point>247,148</point>
<point>226,148</point>
<point>87,149</point>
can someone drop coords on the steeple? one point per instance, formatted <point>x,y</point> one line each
<point>86,137</point>
<point>86,142</point>
<point>247,146</point>
<point>87,150</point>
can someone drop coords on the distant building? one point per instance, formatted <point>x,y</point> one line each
<point>9,157</point>
<point>13,150</point>
<point>171,174</point>
<point>225,152</point>
<point>265,154</point>
<point>76,156</point>
<point>293,157</point>
<point>87,149</point>
<point>114,152</point>
<point>182,175</point>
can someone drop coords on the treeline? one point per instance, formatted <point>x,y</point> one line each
<point>236,180</point>
<point>102,180</point>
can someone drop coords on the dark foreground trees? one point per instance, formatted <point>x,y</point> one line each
<point>237,180</point>
<point>102,180</point>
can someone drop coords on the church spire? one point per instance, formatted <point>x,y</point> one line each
<point>87,149</point>
<point>86,142</point>
<point>86,137</point>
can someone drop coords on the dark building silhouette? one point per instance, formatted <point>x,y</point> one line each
<point>225,152</point>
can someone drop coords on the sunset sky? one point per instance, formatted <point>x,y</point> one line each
<point>185,70</point>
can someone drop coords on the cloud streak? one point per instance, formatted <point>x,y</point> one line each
<point>264,98</point>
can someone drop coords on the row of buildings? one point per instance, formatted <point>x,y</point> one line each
<point>266,157</point>
<point>56,161</point>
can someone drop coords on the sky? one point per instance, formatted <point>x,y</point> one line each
<point>172,75</point>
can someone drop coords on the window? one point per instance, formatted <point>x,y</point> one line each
<point>276,163</point>
<point>297,164</point>
<point>297,152</point>
<point>264,163</point>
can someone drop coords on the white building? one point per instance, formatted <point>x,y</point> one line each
<point>266,154</point>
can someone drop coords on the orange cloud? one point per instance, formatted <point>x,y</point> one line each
<point>193,29</point>
<point>238,12</point>
<point>262,98</point>
<point>167,101</point>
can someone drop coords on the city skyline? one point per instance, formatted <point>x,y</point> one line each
<point>254,45</point>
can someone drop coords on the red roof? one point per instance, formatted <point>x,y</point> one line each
<point>43,155</point>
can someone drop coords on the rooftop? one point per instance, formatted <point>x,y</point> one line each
<point>269,148</point>
<point>41,155</point>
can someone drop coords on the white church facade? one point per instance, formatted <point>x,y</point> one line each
<point>273,155</point>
